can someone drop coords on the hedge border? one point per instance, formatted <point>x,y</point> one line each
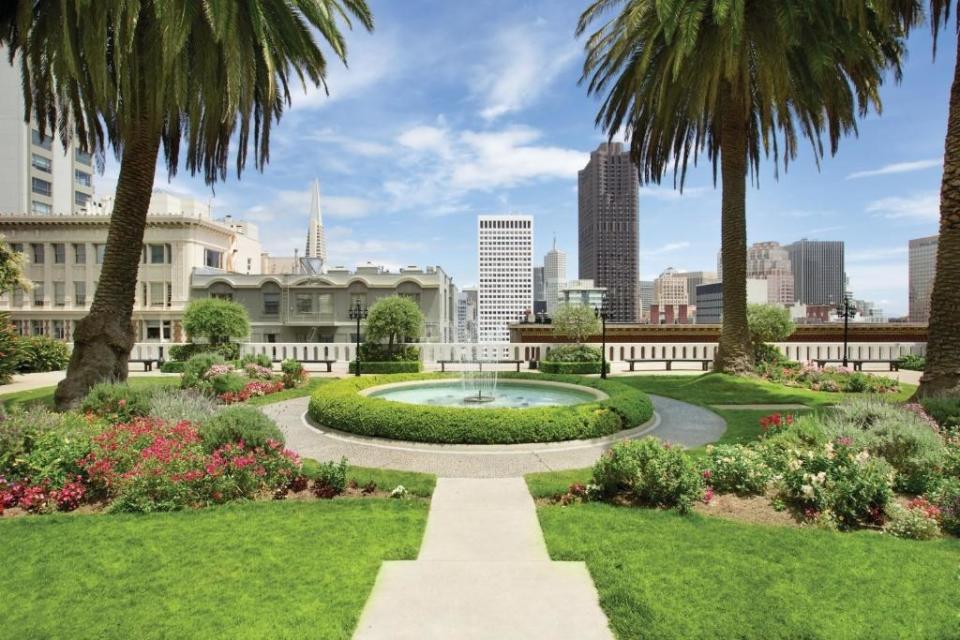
<point>571,368</point>
<point>396,366</point>
<point>339,405</point>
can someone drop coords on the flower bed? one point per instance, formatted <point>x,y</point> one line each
<point>210,374</point>
<point>831,379</point>
<point>339,405</point>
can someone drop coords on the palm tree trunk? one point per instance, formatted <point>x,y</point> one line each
<point>104,338</point>
<point>734,354</point>
<point>942,371</point>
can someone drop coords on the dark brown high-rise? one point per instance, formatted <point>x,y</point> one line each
<point>609,224</point>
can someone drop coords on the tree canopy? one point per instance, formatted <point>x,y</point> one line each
<point>576,321</point>
<point>395,319</point>
<point>216,320</point>
<point>11,269</point>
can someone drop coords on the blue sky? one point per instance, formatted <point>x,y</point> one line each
<point>453,109</point>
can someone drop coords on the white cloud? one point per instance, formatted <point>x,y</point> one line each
<point>426,138</point>
<point>348,207</point>
<point>355,146</point>
<point>921,206</point>
<point>897,167</point>
<point>524,62</point>
<point>670,247</point>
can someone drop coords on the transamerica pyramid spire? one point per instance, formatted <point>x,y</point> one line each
<point>316,239</point>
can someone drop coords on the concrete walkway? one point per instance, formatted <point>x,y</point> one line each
<point>483,573</point>
<point>676,422</point>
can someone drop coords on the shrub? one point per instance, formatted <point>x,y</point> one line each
<point>737,469</point>
<point>386,367</point>
<point>260,359</point>
<point>172,366</point>
<point>839,483</point>
<point>217,320</point>
<point>375,352</point>
<point>293,373</point>
<point>918,521</point>
<point>39,445</point>
<point>330,478</point>
<point>251,389</point>
<point>571,368</point>
<point>256,372</point>
<point>183,352</point>
<point>41,353</point>
<point>946,496</point>
<point>768,323</point>
<point>576,322</point>
<point>945,410</point>
<point>9,349</point>
<point>117,402</point>
<point>912,362</point>
<point>395,319</point>
<point>831,379</point>
<point>649,472</point>
<point>175,405</point>
<point>339,405</point>
<point>236,424</point>
<point>574,353</point>
<point>196,368</point>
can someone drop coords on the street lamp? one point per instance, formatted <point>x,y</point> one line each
<point>358,313</point>
<point>845,311</point>
<point>602,314</point>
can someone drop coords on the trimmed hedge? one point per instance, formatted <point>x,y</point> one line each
<point>172,366</point>
<point>339,405</point>
<point>409,366</point>
<point>571,368</point>
<point>227,350</point>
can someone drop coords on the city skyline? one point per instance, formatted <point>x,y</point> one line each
<point>509,134</point>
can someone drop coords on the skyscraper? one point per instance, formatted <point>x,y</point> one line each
<point>923,267</point>
<point>38,176</point>
<point>608,228</point>
<point>539,291</point>
<point>316,238</point>
<point>771,262</point>
<point>554,277</point>
<point>818,271</point>
<point>694,279</point>
<point>505,290</point>
<point>467,315</point>
<point>646,293</point>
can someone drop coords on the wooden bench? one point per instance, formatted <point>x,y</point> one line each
<point>147,362</point>
<point>858,363</point>
<point>443,363</point>
<point>705,363</point>
<point>329,363</point>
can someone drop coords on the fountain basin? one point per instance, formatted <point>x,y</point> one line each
<point>512,394</point>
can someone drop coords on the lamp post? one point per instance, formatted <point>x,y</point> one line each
<point>845,311</point>
<point>358,313</point>
<point>602,314</point>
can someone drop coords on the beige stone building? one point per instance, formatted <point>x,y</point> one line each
<point>923,267</point>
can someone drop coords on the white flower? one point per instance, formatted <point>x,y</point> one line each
<point>794,464</point>
<point>807,490</point>
<point>862,457</point>
<point>398,492</point>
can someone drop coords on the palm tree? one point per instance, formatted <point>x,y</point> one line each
<point>138,75</point>
<point>738,80</point>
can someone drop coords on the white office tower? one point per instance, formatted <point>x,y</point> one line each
<point>923,268</point>
<point>316,239</point>
<point>38,176</point>
<point>505,291</point>
<point>554,277</point>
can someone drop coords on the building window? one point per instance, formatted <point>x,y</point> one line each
<point>37,328</point>
<point>213,258</point>
<point>16,247</point>
<point>59,330</point>
<point>304,303</point>
<point>80,198</point>
<point>43,143</point>
<point>358,299</point>
<point>82,178</point>
<point>37,250</point>
<point>100,250</point>
<point>271,302</point>
<point>40,163</point>
<point>80,254</point>
<point>38,294</point>
<point>83,156</point>
<point>41,207</point>
<point>80,294</point>
<point>42,187</point>
<point>270,337</point>
<point>157,294</point>
<point>157,253</point>
<point>59,253</point>
<point>158,328</point>
<point>169,295</point>
<point>222,296</point>
<point>325,304</point>
<point>59,294</point>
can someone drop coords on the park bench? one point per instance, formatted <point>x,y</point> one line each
<point>705,363</point>
<point>147,362</point>
<point>443,363</point>
<point>329,363</point>
<point>858,363</point>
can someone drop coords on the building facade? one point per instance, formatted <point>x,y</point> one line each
<point>64,254</point>
<point>819,274</point>
<point>609,228</point>
<point>710,299</point>
<point>771,262</point>
<point>583,292</point>
<point>670,289</point>
<point>467,315</point>
<point>539,291</point>
<point>646,294</point>
<point>694,279</point>
<point>305,307</point>
<point>923,268</point>
<point>554,277</point>
<point>38,175</point>
<point>505,289</point>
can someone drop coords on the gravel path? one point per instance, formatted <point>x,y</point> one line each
<point>676,422</point>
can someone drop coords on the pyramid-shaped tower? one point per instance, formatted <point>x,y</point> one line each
<point>316,239</point>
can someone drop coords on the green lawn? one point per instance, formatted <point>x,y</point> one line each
<point>661,575</point>
<point>44,395</point>
<point>256,570</point>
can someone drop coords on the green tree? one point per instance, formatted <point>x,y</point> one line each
<point>133,76</point>
<point>768,323</point>
<point>576,321</point>
<point>11,269</point>
<point>216,320</point>
<point>395,319</point>
<point>738,80</point>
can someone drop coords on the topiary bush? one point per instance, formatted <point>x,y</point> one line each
<point>118,402</point>
<point>406,366</point>
<point>339,405</point>
<point>41,353</point>
<point>237,423</point>
<point>227,350</point>
<point>571,368</point>
<point>574,353</point>
<point>215,319</point>
<point>375,352</point>
<point>649,472</point>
